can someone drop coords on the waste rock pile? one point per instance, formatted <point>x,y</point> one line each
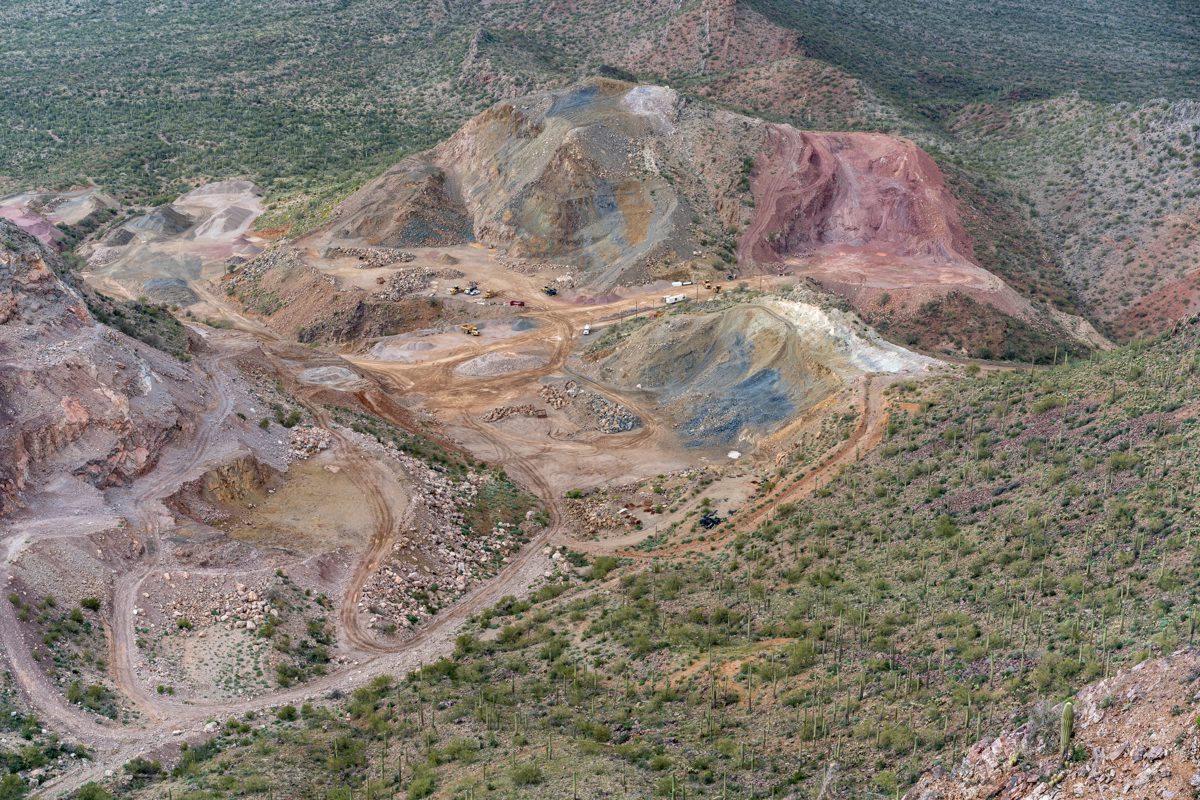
<point>371,257</point>
<point>405,282</point>
<point>589,410</point>
<point>504,412</point>
<point>306,442</point>
<point>440,557</point>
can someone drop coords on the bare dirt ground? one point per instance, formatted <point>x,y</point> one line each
<point>337,543</point>
<point>171,253</point>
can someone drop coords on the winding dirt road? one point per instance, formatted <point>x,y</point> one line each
<point>166,719</point>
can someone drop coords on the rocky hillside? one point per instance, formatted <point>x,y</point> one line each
<point>1114,188</point>
<point>76,397</point>
<point>1134,735</point>
<point>1016,537</point>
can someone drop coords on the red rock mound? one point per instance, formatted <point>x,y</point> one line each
<point>865,210</point>
<point>870,217</point>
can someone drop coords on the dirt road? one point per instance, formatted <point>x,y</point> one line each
<point>873,419</point>
<point>166,719</point>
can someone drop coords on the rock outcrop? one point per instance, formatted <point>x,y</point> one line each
<point>74,393</point>
<point>1134,735</point>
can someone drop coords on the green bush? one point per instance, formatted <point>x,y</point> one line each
<point>527,774</point>
<point>93,791</point>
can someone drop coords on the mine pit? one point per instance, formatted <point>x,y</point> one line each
<point>319,507</point>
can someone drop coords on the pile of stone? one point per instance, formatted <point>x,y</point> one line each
<point>248,609</point>
<point>205,603</point>
<point>593,411</point>
<point>307,441</point>
<point>560,566</point>
<point>610,417</point>
<point>558,397</point>
<point>405,282</point>
<point>595,514</point>
<point>256,267</point>
<point>503,412</point>
<point>433,564</point>
<point>371,257</point>
<point>523,266</point>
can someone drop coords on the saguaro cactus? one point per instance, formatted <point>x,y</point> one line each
<point>1065,729</point>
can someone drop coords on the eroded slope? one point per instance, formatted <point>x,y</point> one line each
<point>732,375</point>
<point>80,400</point>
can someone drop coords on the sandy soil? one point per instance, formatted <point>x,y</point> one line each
<point>319,508</point>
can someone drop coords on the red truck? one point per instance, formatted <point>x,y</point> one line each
<point>516,302</point>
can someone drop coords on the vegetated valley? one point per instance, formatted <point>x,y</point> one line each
<point>718,398</point>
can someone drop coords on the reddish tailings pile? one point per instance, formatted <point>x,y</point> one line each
<point>864,214</point>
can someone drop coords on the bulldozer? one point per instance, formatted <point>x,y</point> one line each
<point>455,290</point>
<point>489,294</point>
